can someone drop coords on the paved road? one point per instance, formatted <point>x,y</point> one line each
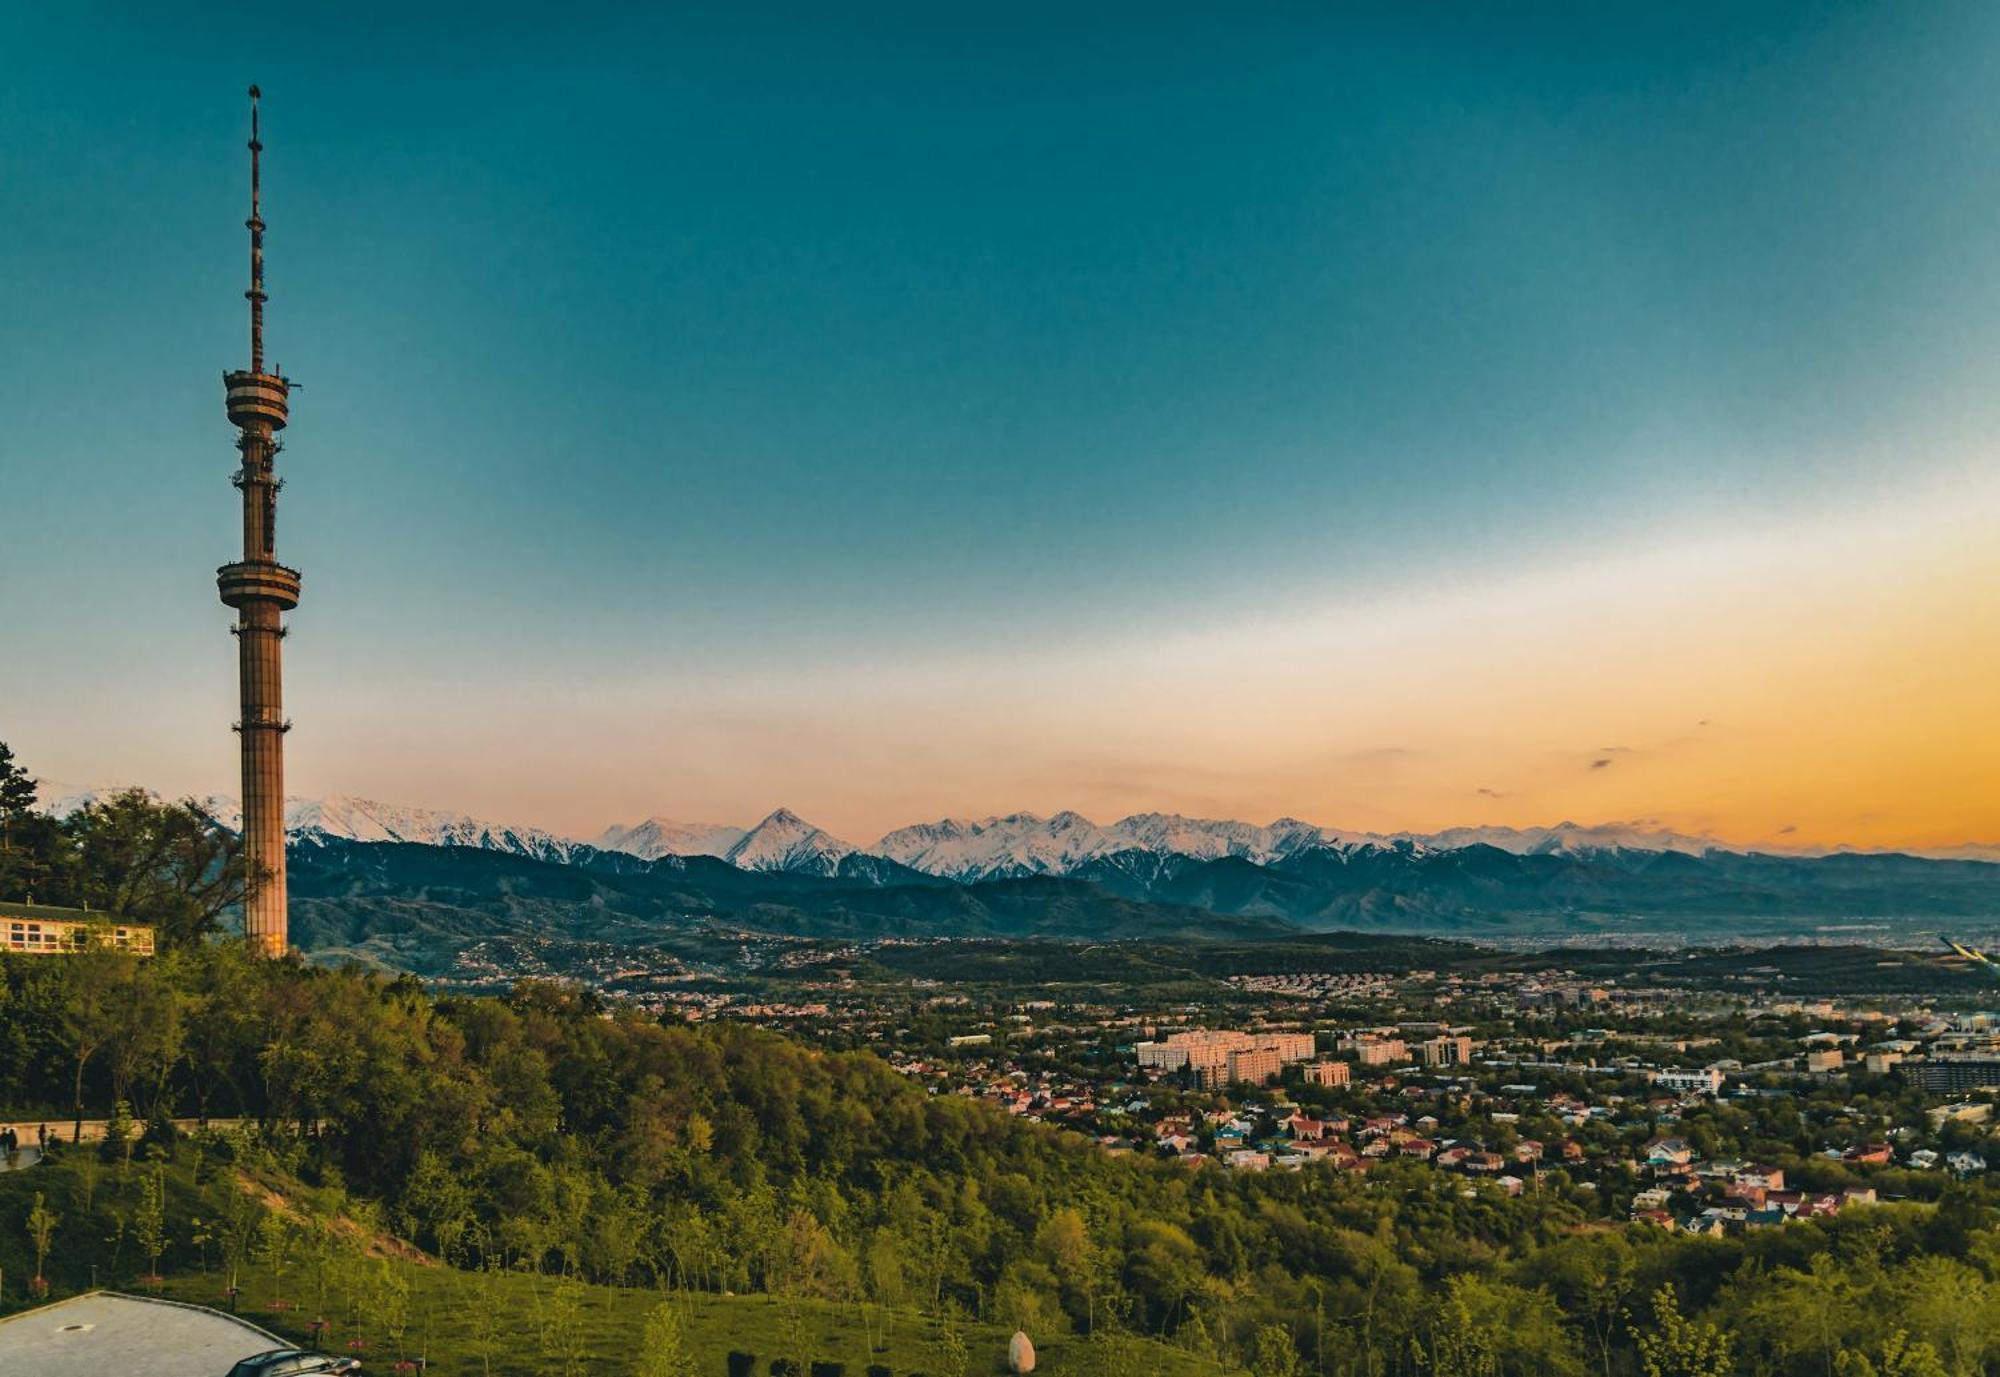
<point>93,1131</point>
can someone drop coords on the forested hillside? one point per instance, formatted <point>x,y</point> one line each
<point>546,1133</point>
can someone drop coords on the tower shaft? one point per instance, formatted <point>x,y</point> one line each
<point>261,590</point>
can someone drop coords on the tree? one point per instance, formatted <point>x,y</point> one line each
<point>1492,1329</point>
<point>1274,1355</point>
<point>1810,1311</point>
<point>28,840</point>
<point>806,1261</point>
<point>950,1356</point>
<point>17,791</point>
<point>119,1135</point>
<point>239,1235</point>
<point>42,1223</point>
<point>168,864</point>
<point>664,1351</point>
<point>275,1239</point>
<point>389,1296</point>
<point>560,1321</point>
<point>149,1221</point>
<point>1680,1347</point>
<point>1899,1357</point>
<point>93,1005</point>
<point>146,1032</point>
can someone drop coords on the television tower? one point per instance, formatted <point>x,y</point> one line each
<point>260,589</point>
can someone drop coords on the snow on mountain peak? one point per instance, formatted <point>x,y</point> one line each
<point>658,836</point>
<point>995,847</point>
<point>786,841</point>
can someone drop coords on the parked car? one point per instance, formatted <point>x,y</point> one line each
<point>293,1362</point>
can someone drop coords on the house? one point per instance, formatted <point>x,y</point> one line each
<point>1303,1125</point>
<point>1669,1152</point>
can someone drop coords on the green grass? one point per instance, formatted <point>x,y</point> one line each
<point>476,1324</point>
<point>469,1324</point>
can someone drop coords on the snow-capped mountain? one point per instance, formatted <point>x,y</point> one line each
<point>1210,839</point>
<point>998,848</point>
<point>786,841</point>
<point>337,816</point>
<point>1569,838</point>
<point>314,821</point>
<point>1029,844</point>
<point>963,849</point>
<point>657,837</point>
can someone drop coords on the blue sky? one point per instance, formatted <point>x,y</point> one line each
<point>660,361</point>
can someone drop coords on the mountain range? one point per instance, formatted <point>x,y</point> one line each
<point>411,885</point>
<point>1015,846</point>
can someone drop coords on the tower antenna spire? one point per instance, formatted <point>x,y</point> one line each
<point>255,225</point>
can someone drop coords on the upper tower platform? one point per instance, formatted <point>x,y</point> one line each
<point>258,397</point>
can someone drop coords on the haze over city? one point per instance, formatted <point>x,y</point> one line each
<point>1316,415</point>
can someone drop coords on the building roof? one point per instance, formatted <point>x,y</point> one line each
<point>56,913</point>
<point>106,1332</point>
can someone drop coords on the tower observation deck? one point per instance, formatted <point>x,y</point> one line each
<point>260,589</point>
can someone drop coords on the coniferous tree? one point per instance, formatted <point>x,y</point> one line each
<point>30,842</point>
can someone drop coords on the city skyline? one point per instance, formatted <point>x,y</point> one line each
<point>1396,423</point>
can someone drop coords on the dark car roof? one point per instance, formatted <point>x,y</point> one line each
<point>283,1362</point>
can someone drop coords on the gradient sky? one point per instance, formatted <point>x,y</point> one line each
<point>1395,416</point>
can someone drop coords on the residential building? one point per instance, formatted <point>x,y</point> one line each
<point>1446,1051</point>
<point>40,929</point>
<point>1371,1049</point>
<point>1253,1066</point>
<point>1946,1073</point>
<point>1329,1073</point>
<point>1706,1081</point>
